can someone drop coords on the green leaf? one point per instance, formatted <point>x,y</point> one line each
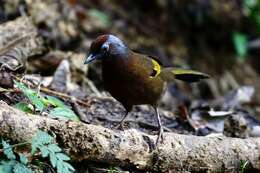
<point>64,167</point>
<point>20,168</point>
<point>54,148</point>
<point>23,107</point>
<point>43,137</point>
<point>240,43</point>
<point>62,156</point>
<point>53,159</point>
<point>44,151</point>
<point>8,151</point>
<point>31,95</point>
<point>36,101</point>
<point>34,146</point>
<point>23,159</point>
<point>63,113</point>
<point>39,140</point>
<point>59,166</point>
<point>42,141</point>
<point>67,165</point>
<point>58,161</point>
<point>243,165</point>
<point>7,166</point>
<point>54,101</point>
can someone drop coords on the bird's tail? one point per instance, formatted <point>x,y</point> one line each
<point>169,74</point>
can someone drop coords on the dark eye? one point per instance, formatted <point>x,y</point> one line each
<point>105,48</point>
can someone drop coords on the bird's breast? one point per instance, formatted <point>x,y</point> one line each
<point>130,83</point>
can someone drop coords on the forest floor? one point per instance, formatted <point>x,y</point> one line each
<point>43,45</point>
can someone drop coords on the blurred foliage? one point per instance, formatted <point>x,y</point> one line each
<point>102,18</point>
<point>251,9</point>
<point>240,43</point>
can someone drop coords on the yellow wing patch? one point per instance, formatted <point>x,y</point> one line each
<point>156,69</point>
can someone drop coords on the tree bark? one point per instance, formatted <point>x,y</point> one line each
<point>131,148</point>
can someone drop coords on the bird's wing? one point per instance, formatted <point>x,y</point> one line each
<point>170,73</point>
<point>149,65</point>
<point>153,67</point>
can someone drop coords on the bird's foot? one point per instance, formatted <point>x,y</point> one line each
<point>121,123</point>
<point>160,137</point>
<point>119,126</point>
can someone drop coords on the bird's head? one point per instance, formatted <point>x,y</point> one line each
<point>106,46</point>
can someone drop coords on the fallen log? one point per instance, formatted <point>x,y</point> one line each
<point>131,148</point>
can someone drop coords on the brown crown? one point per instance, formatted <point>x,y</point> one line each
<point>98,42</point>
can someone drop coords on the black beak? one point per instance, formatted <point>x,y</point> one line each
<point>90,58</point>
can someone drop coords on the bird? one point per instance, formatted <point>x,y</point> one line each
<point>133,78</point>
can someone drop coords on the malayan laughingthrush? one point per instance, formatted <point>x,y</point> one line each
<point>133,78</point>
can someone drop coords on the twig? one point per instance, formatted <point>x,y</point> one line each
<point>92,87</point>
<point>15,145</point>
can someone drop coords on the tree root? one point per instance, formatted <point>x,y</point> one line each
<point>131,148</point>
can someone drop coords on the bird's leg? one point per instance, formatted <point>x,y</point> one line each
<point>160,133</point>
<point>120,124</point>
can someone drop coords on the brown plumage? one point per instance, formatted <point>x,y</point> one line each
<point>129,80</point>
<point>134,78</point>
